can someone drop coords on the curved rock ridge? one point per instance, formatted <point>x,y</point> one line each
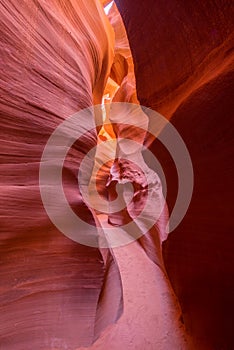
<point>129,169</point>
<point>55,60</point>
<point>183,59</point>
<point>58,58</point>
<point>122,72</point>
<point>190,43</point>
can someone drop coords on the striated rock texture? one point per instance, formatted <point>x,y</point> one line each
<point>55,60</point>
<point>122,70</point>
<point>146,290</point>
<point>58,57</point>
<point>183,62</point>
<point>55,293</point>
<point>129,166</point>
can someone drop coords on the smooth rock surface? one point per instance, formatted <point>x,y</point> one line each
<point>183,58</point>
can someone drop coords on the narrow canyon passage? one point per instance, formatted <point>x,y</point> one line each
<point>116,138</point>
<point>151,313</point>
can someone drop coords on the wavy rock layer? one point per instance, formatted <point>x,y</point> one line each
<point>183,61</point>
<point>56,57</point>
<point>141,265</point>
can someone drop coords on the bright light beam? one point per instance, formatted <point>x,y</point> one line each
<point>108,7</point>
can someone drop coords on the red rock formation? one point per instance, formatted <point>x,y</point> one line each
<point>57,57</point>
<point>129,162</point>
<point>122,70</point>
<point>183,60</point>
<point>128,169</point>
<point>55,60</point>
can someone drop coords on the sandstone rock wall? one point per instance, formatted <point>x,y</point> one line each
<point>183,62</point>
<point>55,60</point>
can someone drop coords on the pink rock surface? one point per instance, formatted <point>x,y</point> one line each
<point>58,57</point>
<point>55,59</point>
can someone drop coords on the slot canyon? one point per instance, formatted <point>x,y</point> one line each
<point>116,175</point>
